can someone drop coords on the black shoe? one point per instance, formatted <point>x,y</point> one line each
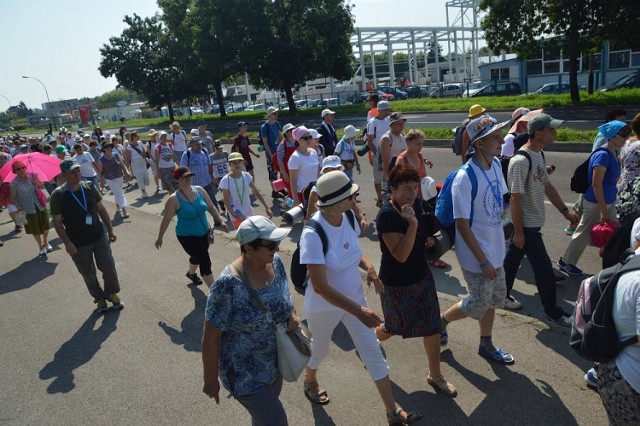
<point>559,279</point>
<point>222,208</point>
<point>275,194</point>
<point>194,278</point>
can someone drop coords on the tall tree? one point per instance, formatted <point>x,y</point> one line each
<point>302,40</point>
<point>226,36</point>
<point>148,59</point>
<point>580,26</point>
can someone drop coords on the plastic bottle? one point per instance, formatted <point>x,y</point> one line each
<point>289,202</point>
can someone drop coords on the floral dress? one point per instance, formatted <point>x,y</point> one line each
<point>630,161</point>
<point>248,352</point>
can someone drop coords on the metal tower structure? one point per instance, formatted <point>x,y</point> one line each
<point>461,35</point>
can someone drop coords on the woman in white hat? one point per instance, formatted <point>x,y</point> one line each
<point>239,342</point>
<point>303,165</point>
<point>346,150</point>
<point>336,294</point>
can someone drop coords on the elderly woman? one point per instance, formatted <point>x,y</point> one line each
<point>239,342</point>
<point>112,172</point>
<point>303,164</point>
<point>599,200</point>
<point>630,156</point>
<point>191,203</point>
<point>336,293</point>
<point>409,299</point>
<point>23,196</point>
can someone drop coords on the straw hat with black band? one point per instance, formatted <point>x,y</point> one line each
<point>334,187</point>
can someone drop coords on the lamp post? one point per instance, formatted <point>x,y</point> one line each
<point>53,122</point>
<point>8,112</point>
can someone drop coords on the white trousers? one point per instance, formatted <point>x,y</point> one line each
<point>322,324</point>
<point>139,169</point>
<point>118,192</point>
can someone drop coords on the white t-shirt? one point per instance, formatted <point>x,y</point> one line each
<point>377,128</point>
<point>179,141</point>
<point>487,215</point>
<point>165,156</point>
<point>626,316</point>
<point>135,155</point>
<point>86,164</point>
<point>239,191</point>
<point>307,167</point>
<point>343,257</point>
<point>508,149</point>
<point>153,148</point>
<point>635,233</point>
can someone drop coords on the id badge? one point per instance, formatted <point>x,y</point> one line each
<point>88,220</point>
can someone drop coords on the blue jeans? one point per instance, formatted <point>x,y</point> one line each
<point>540,264</point>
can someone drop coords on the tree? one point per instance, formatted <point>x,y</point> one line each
<point>149,59</point>
<point>300,41</point>
<point>431,52</point>
<point>226,36</point>
<point>21,110</point>
<point>120,94</point>
<point>580,26</point>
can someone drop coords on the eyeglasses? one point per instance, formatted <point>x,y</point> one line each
<point>271,246</point>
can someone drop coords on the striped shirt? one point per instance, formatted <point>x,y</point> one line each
<point>530,186</point>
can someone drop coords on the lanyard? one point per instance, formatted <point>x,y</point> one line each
<point>84,198</point>
<point>495,191</point>
<point>240,195</point>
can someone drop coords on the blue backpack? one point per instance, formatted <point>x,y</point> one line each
<point>444,202</point>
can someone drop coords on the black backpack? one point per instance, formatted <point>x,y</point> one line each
<point>298,273</point>
<point>593,331</point>
<point>580,181</point>
<point>456,144</point>
<point>504,163</point>
<point>618,244</point>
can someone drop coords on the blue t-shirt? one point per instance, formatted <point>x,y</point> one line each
<point>608,160</point>
<point>192,218</point>
<point>248,351</point>
<point>269,133</point>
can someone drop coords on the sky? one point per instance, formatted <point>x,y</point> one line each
<point>58,41</point>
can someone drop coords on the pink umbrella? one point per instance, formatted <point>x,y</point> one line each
<point>525,120</point>
<point>45,166</point>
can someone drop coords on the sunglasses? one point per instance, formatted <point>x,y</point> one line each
<point>271,245</point>
<point>17,169</point>
<point>624,135</point>
<point>306,138</point>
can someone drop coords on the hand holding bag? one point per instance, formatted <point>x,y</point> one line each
<point>294,347</point>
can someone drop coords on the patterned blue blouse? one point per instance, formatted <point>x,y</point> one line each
<point>248,353</point>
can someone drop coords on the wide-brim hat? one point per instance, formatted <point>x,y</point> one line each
<point>334,187</point>
<point>235,156</point>
<point>475,110</point>
<point>331,162</point>
<point>288,127</point>
<point>482,126</point>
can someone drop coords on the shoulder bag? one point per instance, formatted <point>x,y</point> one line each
<point>294,347</point>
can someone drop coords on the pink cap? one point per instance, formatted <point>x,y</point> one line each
<point>299,132</point>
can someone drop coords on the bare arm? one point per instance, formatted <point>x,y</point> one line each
<point>554,197</point>
<point>211,360</point>
<point>104,215</point>
<point>170,208</point>
<point>293,182</point>
<point>385,153</point>
<point>62,233</point>
<point>371,145</point>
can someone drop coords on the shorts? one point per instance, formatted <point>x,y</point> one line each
<point>412,310</point>
<point>37,222</point>
<point>378,174</point>
<point>483,294</point>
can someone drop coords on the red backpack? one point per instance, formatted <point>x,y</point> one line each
<point>288,151</point>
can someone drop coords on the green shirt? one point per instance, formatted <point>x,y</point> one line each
<point>74,216</point>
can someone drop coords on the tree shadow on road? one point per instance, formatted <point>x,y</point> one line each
<point>511,396</point>
<point>77,351</point>
<point>28,274</point>
<point>190,333</point>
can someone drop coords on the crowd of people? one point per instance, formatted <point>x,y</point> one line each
<point>502,179</point>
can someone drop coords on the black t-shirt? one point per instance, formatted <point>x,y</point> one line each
<point>74,216</point>
<point>392,272</point>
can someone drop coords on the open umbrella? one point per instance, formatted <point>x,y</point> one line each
<point>524,120</point>
<point>45,166</point>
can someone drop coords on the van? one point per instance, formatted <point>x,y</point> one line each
<point>506,88</point>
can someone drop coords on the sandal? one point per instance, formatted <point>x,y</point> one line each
<point>320,397</point>
<point>125,216</point>
<point>438,263</point>
<point>440,384</point>
<point>396,418</point>
<point>499,355</point>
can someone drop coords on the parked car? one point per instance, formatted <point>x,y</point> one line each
<point>448,91</point>
<point>397,93</point>
<point>421,91</point>
<point>194,110</point>
<point>553,88</point>
<point>629,81</point>
<point>358,98</point>
<point>333,102</point>
<point>385,96</point>
<point>505,88</point>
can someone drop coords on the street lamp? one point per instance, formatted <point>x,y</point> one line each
<point>53,122</point>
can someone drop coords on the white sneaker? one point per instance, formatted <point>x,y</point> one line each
<point>49,248</point>
<point>144,194</point>
<point>43,251</point>
<point>511,303</point>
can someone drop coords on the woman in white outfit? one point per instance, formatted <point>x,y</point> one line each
<point>336,294</point>
<point>136,157</point>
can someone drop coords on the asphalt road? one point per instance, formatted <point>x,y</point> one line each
<point>65,364</point>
